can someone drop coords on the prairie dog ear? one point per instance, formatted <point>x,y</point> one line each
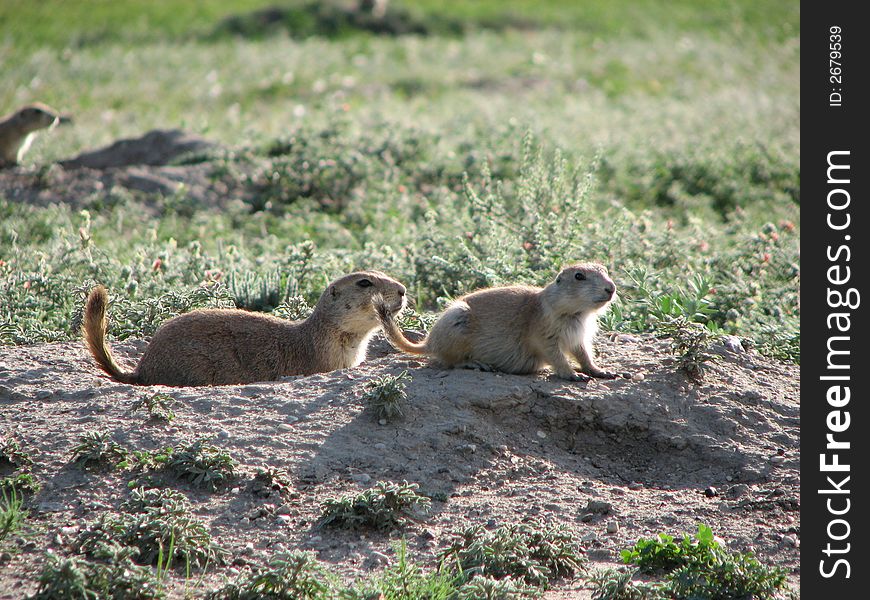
<point>333,292</point>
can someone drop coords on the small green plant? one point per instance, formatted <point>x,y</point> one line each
<point>77,577</point>
<point>251,291</point>
<point>158,406</point>
<point>201,463</point>
<point>8,334</point>
<point>22,482</point>
<point>387,505</point>
<point>404,579</point>
<point>700,567</point>
<point>98,449</point>
<point>416,321</point>
<point>690,343</point>
<point>12,455</point>
<point>534,553</point>
<point>293,576</point>
<point>784,346</point>
<point>619,584</point>
<point>12,513</point>
<point>385,394</point>
<point>159,526</point>
<point>142,318</point>
<point>294,308</point>
<point>663,553</point>
<point>268,480</point>
<point>17,463</point>
<point>488,588</point>
<point>693,304</point>
<point>727,576</point>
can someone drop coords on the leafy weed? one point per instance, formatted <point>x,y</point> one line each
<point>98,449</point>
<point>534,553</point>
<point>385,394</point>
<point>385,506</point>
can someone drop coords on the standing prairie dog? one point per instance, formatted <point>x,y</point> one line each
<point>17,130</point>
<point>520,329</point>
<point>231,346</point>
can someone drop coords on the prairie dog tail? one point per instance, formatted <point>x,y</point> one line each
<point>392,331</point>
<point>94,332</point>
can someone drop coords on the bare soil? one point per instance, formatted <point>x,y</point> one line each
<point>489,448</point>
<point>139,167</point>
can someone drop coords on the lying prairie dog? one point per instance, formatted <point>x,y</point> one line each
<point>231,346</point>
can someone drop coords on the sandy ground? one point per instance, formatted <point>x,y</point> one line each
<point>489,448</point>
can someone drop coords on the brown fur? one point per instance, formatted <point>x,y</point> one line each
<point>17,130</point>
<point>228,346</point>
<point>520,329</point>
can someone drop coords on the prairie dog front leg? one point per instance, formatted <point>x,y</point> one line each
<point>560,364</point>
<point>587,363</point>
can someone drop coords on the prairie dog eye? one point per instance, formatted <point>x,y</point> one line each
<point>579,276</point>
<point>364,283</point>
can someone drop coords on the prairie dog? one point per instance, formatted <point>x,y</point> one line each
<point>231,346</point>
<point>520,329</point>
<point>17,130</point>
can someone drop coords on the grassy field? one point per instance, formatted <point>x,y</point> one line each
<point>505,140</point>
<point>493,144</point>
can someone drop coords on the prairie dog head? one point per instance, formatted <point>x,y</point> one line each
<point>34,117</point>
<point>17,130</point>
<point>581,288</point>
<point>351,299</point>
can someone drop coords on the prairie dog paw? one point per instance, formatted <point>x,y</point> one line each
<point>574,376</point>
<point>599,374</point>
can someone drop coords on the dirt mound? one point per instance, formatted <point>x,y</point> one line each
<point>154,166</point>
<point>488,448</point>
<point>157,147</point>
<point>334,18</point>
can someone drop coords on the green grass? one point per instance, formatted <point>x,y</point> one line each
<point>59,24</point>
<point>403,579</point>
<point>737,275</point>
<point>450,163</point>
<point>662,139</point>
<point>12,512</point>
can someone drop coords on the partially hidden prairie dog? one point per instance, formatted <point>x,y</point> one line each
<point>17,130</point>
<point>230,346</point>
<point>520,329</point>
